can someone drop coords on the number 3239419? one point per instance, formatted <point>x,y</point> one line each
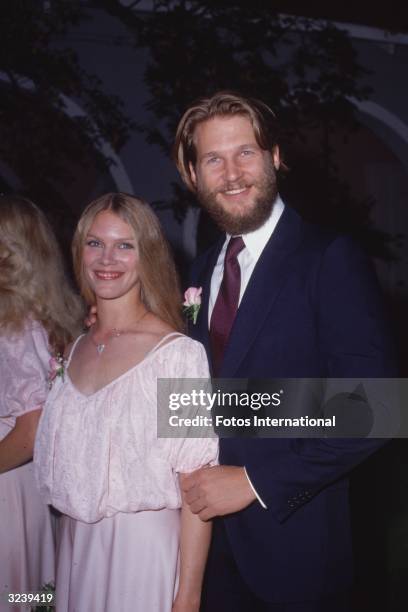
<point>30,598</point>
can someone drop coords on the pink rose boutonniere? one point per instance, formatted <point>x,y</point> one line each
<point>57,368</point>
<point>192,302</point>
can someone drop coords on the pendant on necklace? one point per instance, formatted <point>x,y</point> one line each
<point>100,348</point>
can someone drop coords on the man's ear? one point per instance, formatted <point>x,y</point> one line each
<point>276,157</point>
<point>192,174</point>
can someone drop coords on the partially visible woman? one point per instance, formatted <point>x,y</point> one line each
<point>99,460</point>
<point>39,315</point>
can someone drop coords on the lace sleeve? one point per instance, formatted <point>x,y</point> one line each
<point>24,365</point>
<point>189,453</point>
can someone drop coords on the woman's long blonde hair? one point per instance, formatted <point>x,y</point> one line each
<point>160,288</point>
<point>32,279</point>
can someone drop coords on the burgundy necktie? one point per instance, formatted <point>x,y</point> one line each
<point>226,305</point>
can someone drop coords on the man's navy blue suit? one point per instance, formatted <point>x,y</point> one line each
<point>311,309</point>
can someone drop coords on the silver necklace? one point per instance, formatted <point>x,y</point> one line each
<point>100,347</point>
<point>114,333</point>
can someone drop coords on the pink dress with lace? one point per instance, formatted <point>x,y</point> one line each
<point>99,461</point>
<point>26,526</point>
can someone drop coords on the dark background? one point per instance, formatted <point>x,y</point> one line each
<point>91,93</point>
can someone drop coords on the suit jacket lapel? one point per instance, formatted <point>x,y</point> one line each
<point>263,288</point>
<point>200,330</point>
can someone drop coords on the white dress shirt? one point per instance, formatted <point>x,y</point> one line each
<point>255,243</point>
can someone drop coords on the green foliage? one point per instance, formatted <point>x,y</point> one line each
<point>289,62</point>
<point>306,71</point>
<point>39,142</point>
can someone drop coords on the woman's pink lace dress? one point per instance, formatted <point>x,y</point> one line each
<point>100,462</point>
<point>26,526</point>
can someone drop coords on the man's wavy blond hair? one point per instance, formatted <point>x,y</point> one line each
<point>160,288</point>
<point>32,279</point>
<point>222,104</point>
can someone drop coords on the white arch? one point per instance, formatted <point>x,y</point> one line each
<point>72,109</point>
<point>385,116</point>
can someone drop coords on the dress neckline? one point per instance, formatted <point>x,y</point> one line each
<point>156,348</point>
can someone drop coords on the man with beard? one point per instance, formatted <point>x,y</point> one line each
<point>281,298</point>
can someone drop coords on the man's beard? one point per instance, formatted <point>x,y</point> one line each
<point>250,220</point>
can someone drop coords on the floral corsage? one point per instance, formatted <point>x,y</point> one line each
<point>192,303</point>
<point>57,368</point>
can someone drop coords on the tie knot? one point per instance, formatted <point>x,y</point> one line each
<point>235,246</point>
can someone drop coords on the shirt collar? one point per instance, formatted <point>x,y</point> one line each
<point>256,241</point>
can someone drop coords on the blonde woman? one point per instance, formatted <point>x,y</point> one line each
<point>98,456</point>
<point>38,317</point>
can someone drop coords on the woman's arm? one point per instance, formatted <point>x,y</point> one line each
<point>194,543</point>
<point>17,447</point>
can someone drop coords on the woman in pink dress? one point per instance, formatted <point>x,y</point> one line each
<point>38,314</point>
<point>127,541</point>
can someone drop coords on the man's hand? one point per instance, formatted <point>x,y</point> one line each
<point>90,318</point>
<point>217,490</point>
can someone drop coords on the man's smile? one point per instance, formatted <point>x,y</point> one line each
<point>235,191</point>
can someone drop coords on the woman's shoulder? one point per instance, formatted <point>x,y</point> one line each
<point>25,354</point>
<point>182,356</point>
<point>29,334</point>
<point>179,342</point>
<point>161,335</point>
